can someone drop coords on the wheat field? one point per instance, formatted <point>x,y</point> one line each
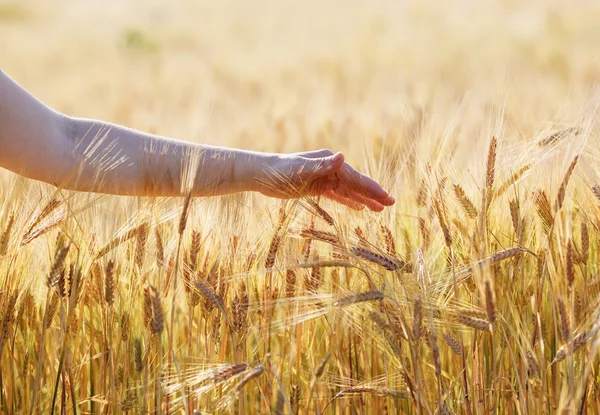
<point>477,292</point>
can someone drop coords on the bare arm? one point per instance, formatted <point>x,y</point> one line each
<point>31,134</point>
<point>90,155</point>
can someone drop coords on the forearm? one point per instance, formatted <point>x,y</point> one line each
<point>109,158</point>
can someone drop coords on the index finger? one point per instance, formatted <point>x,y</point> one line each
<point>363,185</point>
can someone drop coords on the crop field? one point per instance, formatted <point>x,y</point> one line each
<point>477,292</point>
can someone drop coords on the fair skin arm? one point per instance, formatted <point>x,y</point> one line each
<point>90,155</point>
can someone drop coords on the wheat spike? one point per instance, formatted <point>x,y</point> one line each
<point>380,320</point>
<point>184,213</point>
<point>306,246</point>
<point>452,343</point>
<point>109,283</point>
<point>137,355</point>
<point>5,239</point>
<point>425,234</point>
<point>160,248</point>
<point>295,399</point>
<point>125,327</point>
<point>273,248</point>
<point>148,314</point>
<point>490,171</point>
<point>321,368</point>
<point>279,402</point>
<point>560,198</point>
<point>490,302</point>
<point>119,239</point>
<point>373,391</point>
<point>239,310</point>
<point>417,319</point>
<point>225,373</point>
<point>312,281</point>
<point>570,268</point>
<point>321,212</point>
<point>290,283</point>
<point>578,342</point>
<point>210,295</point>
<point>7,319</point>
<point>559,135</point>
<point>373,295</point>
<point>544,209</point>
<point>422,194</point>
<point>61,284</point>
<point>495,258</point>
<point>157,312</point>
<point>194,250</point>
<point>389,263</point>
<point>565,329</point>
<point>515,215</point>
<point>320,236</point>
<point>362,239</point>
<point>46,210</point>
<point>254,373</point>
<point>140,246</point>
<point>440,212</point>
<point>388,238</point>
<point>596,191</point>
<point>52,309</point>
<point>465,202</point>
<point>532,365</point>
<point>57,266</point>
<point>516,176</point>
<point>585,243</point>
<point>435,351</point>
<point>473,322</point>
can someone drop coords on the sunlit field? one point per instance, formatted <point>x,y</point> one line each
<point>477,292</point>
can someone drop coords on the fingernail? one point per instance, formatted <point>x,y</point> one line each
<point>337,156</point>
<point>391,200</point>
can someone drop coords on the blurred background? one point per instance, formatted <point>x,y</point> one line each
<point>286,75</point>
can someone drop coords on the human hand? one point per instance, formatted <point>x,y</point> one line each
<point>321,173</point>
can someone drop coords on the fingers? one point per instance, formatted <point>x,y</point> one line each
<point>357,198</point>
<point>363,185</point>
<point>343,200</point>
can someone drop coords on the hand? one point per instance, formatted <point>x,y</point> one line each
<point>321,173</point>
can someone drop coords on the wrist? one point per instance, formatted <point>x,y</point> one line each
<point>251,170</point>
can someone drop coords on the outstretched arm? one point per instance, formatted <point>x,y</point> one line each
<point>90,155</point>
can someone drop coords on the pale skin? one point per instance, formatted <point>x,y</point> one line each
<point>91,155</point>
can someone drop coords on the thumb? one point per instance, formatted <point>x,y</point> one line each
<point>325,166</point>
